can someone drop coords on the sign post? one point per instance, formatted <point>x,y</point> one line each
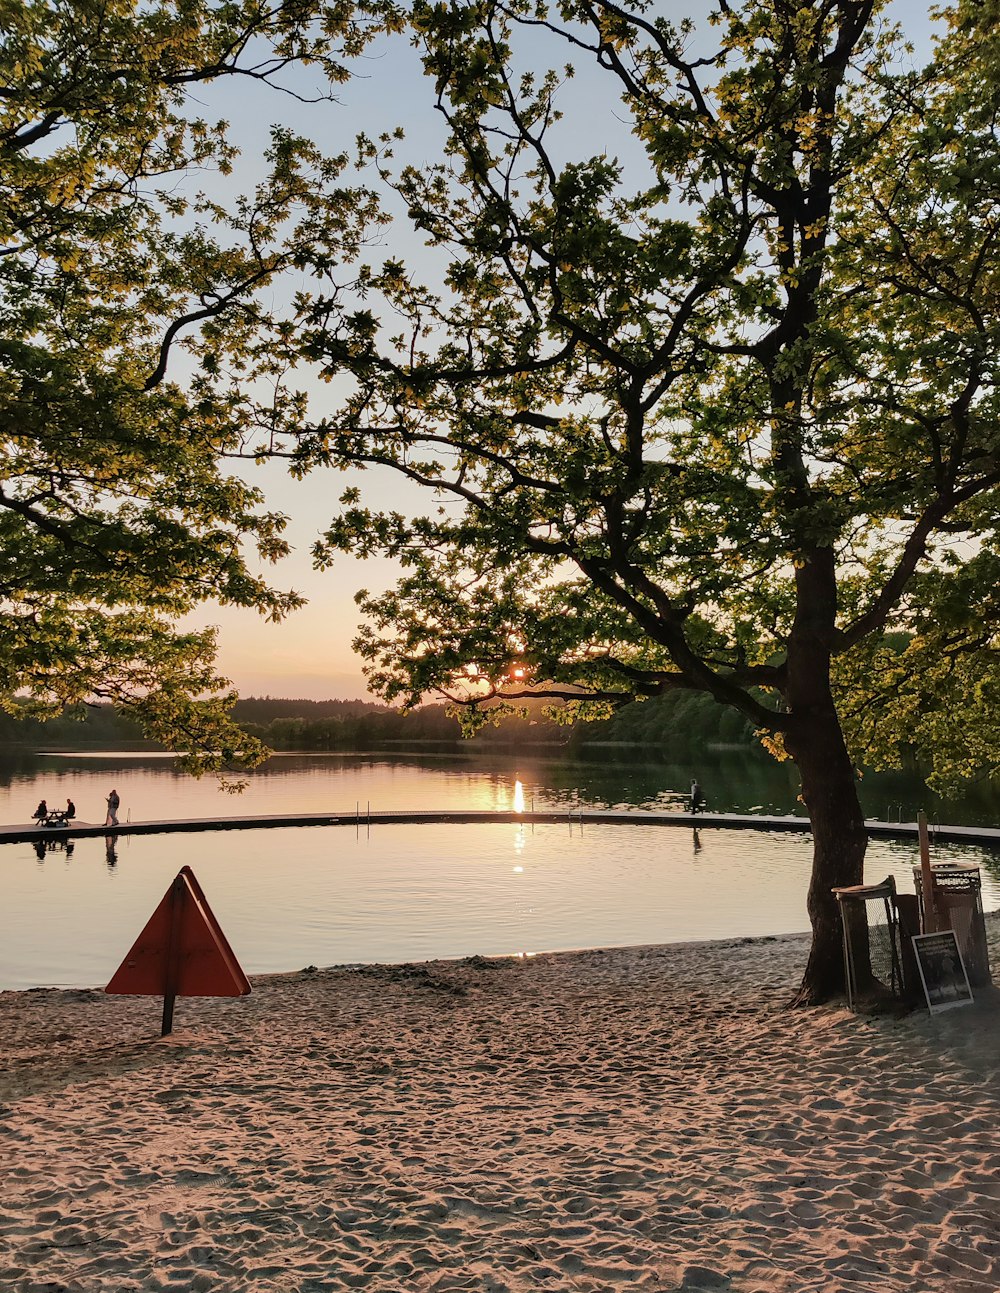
<point>172,968</point>
<point>181,952</point>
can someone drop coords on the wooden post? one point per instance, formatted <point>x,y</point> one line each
<point>932,921</point>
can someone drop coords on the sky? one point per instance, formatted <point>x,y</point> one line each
<point>309,654</point>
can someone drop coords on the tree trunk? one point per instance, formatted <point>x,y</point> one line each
<point>815,740</point>
<point>829,792</point>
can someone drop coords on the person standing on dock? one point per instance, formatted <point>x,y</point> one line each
<point>113,802</point>
<point>697,798</point>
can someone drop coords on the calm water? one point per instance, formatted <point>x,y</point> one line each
<point>329,895</point>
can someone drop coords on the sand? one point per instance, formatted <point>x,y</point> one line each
<point>646,1118</point>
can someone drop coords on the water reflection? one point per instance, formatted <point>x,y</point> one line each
<point>45,847</point>
<point>111,851</point>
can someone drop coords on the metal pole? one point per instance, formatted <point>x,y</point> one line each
<point>848,961</point>
<point>173,955</point>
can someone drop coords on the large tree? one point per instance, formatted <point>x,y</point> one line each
<point>727,423</point>
<point>131,326</point>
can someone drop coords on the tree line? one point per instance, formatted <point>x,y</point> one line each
<point>661,725</point>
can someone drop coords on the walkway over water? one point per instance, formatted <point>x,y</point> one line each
<point>576,816</point>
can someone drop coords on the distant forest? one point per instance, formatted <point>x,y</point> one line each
<point>679,722</point>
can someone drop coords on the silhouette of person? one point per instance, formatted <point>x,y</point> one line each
<point>41,812</point>
<point>113,802</point>
<point>70,810</point>
<point>697,798</point>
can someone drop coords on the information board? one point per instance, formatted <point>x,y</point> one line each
<point>942,971</point>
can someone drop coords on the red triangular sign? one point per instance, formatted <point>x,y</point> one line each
<point>182,951</point>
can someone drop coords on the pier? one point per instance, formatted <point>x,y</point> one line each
<point>983,835</point>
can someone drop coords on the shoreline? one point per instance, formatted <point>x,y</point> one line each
<point>645,1118</point>
<point>367,967</point>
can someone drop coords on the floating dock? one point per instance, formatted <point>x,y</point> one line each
<point>983,835</point>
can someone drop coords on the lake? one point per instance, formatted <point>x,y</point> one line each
<point>336,895</point>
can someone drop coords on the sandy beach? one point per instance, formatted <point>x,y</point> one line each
<point>647,1118</point>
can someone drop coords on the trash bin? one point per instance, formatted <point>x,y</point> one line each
<point>873,955</point>
<point>958,890</point>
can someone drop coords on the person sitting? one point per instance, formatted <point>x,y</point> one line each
<point>70,812</point>
<point>41,812</point>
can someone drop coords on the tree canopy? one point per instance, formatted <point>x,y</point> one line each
<point>131,330</point>
<point>725,422</point>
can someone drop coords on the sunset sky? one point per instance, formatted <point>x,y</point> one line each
<point>309,655</point>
